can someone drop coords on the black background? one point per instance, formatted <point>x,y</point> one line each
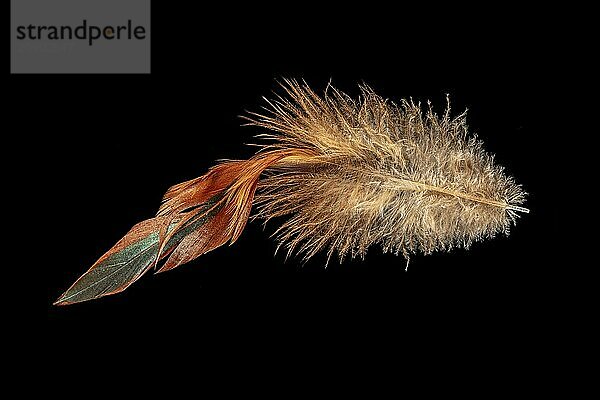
<point>109,146</point>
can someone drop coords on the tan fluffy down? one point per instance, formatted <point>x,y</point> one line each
<point>379,173</point>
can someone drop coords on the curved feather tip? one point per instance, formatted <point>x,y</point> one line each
<point>196,217</point>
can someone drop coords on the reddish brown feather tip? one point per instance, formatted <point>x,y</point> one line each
<point>196,217</point>
<point>118,268</point>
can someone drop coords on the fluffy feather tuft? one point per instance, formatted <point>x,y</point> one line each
<point>380,173</point>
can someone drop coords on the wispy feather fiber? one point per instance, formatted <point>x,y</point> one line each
<point>347,174</point>
<point>380,173</point>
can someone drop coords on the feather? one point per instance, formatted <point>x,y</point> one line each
<point>382,174</point>
<point>348,174</point>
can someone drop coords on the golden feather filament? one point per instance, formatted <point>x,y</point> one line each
<point>347,174</point>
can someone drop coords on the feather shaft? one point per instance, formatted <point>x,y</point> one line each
<point>403,184</point>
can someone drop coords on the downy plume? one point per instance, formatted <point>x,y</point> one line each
<point>347,173</point>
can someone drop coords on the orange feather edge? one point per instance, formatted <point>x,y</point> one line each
<point>195,217</point>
